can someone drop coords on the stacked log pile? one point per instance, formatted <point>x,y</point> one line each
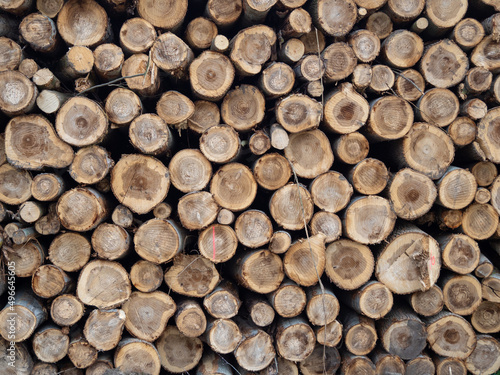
<point>250,187</point>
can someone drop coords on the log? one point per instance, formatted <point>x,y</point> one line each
<point>122,216</point>
<point>304,262</point>
<point>485,130</point>
<point>258,270</point>
<point>254,341</point>
<point>90,165</point>
<point>103,284</point>
<point>81,209</point>
<point>460,253</point>
<point>369,176</point>
<point>212,363</point>
<point>402,49</point>
<point>233,187</point>
<point>223,13</point>
<point>353,364</point>
<point>223,302</point>
<point>80,352</point>
<point>358,331</point>
<point>297,113</point>
<point>280,242</point>
<point>253,229</point>
<point>322,306</point>
<point>410,85</point>
<point>486,318</point>
<point>222,335</point>
<point>462,131</point>
<point>484,268</point>
<point>330,334</point>
<point>159,241</point>
<point>456,188</point>
<point>365,44</point>
<point>480,221</point>
<point>50,101</point>
<point>16,359</point>
<point>478,80</point>
<point>449,365</point>
<point>429,302</point>
<point>334,18</point>
<point>200,32</point>
<point>218,243</point>
<point>50,344</point>
<point>40,32</point>
<point>141,74</point>
<point>134,355</point>
<point>206,114</point>
<point>11,54</point>
<point>261,312</point>
<point>259,143</point>
<point>122,106</point>
<point>272,171</point>
<point>111,241</point>
<point>320,361</point>
<point>340,51</point>
<point>49,8</point>
<point>373,300</point>
<point>295,339</point>
<point>491,287</point>
<point>178,353</point>
<point>362,76</point>
<point>190,318</point>
<point>189,170</point>
<point>192,276</point>
<point>277,80</point>
<point>220,44</point>
<point>49,281</point>
<point>66,310</point>
<point>197,210</point>
<point>482,196</point>
<point>70,251</point>
<point>31,211</point>
<point>103,363</point>
<point>481,57</point>
<point>146,276</point>
<point>345,110</point>
<point>256,11</point>
<point>220,144</point>
<point>383,79</point>
<point>467,33</point>
<point>386,363</point>
<point>28,67</point>
<point>297,23</point>
<point>136,36</point>
<point>349,264</point>
<point>438,107</point>
<point>351,148</point>
<point>45,79</point>
<point>423,364</point>
<point>327,223</point>
<point>289,300</point>
<point>17,93</point>
<point>243,108</point>
<point>103,328</point>
<point>390,118</point>
<point>292,50</point>
<point>150,134</point>
<point>450,335</point>
<point>279,137</point>
<point>485,358</point>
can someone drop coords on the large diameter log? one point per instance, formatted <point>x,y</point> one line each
<point>485,359</point>
<point>178,353</point>
<point>190,318</point>
<point>192,276</point>
<point>359,332</point>
<point>304,261</point>
<point>70,251</point>
<point>134,356</point>
<point>163,14</point>
<point>272,171</point>
<point>233,187</point>
<point>111,241</point>
<point>369,176</point>
<point>103,284</point>
<point>345,110</point>
<point>150,134</point>
<point>486,318</point>
<point>29,313</point>
<point>438,155</point>
<point>190,170</point>
<point>50,344</point>
<point>297,113</point>
<point>289,300</point>
<point>365,44</point>
<point>17,93</point>
<point>140,182</point>
<point>83,23</point>
<point>158,241</point>
<point>90,165</point>
<point>369,219</point>
<point>456,188</point>
<point>137,35</point>
<point>429,302</point>
<point>243,107</point>
<point>402,49</point>
<point>147,314</point>
<point>349,264</point>
<point>468,33</point>
<point>200,32</point>
<point>260,271</point>
<point>450,335</point>
<point>222,335</point>
<point>439,16</point>
<point>211,75</point>
<point>81,209</point>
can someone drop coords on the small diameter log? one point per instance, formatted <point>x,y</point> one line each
<point>261,312</point>
<point>438,146</point>
<point>137,36</point>
<point>322,306</point>
<point>345,110</point>
<point>17,93</point>
<point>468,33</point>
<point>481,56</point>
<point>80,352</point>
<point>410,85</point>
<point>349,264</point>
<point>218,243</point>
<point>220,144</point>
<point>277,80</point>
<point>178,353</point>
<point>122,216</point>
<point>329,335</point>
<point>297,113</point>
<point>103,328</point>
<point>44,79</point>
<point>146,276</point>
<point>23,235</point>
<point>90,165</point>
<point>253,228</point>
<point>147,314</point>
<point>486,318</point>
<point>174,108</point>
<point>28,67</point>
<point>289,300</point>
<point>197,210</point>
<point>272,171</point>
<point>360,335</point>
<point>484,268</point>
<point>362,76</point>
<point>148,83</point>
<point>158,241</point>
<point>439,107</point>
<point>462,131</point>
<point>192,276</point>
<point>327,223</point>
<point>50,344</point>
<point>50,101</point>
<point>108,61</point>
<point>103,363</point>
<point>66,310</point>
<point>355,364</point>
<point>292,51</point>
<point>280,242</point>
<point>478,80</point>
<point>402,333</point>
<point>303,342</point>
<point>172,55</point>
<point>320,361</point>
<point>122,106</point>
<point>334,18</point>
<point>259,270</point>
<point>200,32</point>
<point>296,24</point>
<point>49,281</point>
<point>31,211</point>
<point>212,363</point>
<point>386,363</point>
<point>400,11</point>
<point>373,300</point>
<point>223,302</point>
<point>233,187</point>
<point>383,79</point>
<point>134,355</point>
<point>482,196</point>
<point>456,188</point>
<point>310,68</point>
<point>420,261</point>
<point>369,219</point>
<point>220,44</point>
<point>390,118</point>
<point>206,114</point>
<point>190,170</point>
<point>460,253</point>
<point>222,335</point>
<point>190,318</point>
<point>380,23</point>
<point>22,359</point>
<point>140,182</point>
<point>11,54</point>
<point>103,284</point>
<point>304,261</point>
<point>259,143</point>
<point>76,63</point>
<point>163,15</point>
<point>436,71</point>
<point>70,251</point>
<point>369,176</point>
<point>331,191</point>
<point>429,302</point>
<point>111,241</point>
<point>150,134</point>
<point>279,137</point>
<point>485,359</point>
<point>365,44</point>
<point>29,315</point>
<point>450,335</point>
<point>480,221</point>
<point>332,55</point>
<point>49,8</point>
<point>351,148</point>
<point>81,209</point>
<point>243,107</point>
<point>486,134</point>
<point>422,365</point>
<point>402,49</point>
<point>40,32</point>
<point>447,365</point>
